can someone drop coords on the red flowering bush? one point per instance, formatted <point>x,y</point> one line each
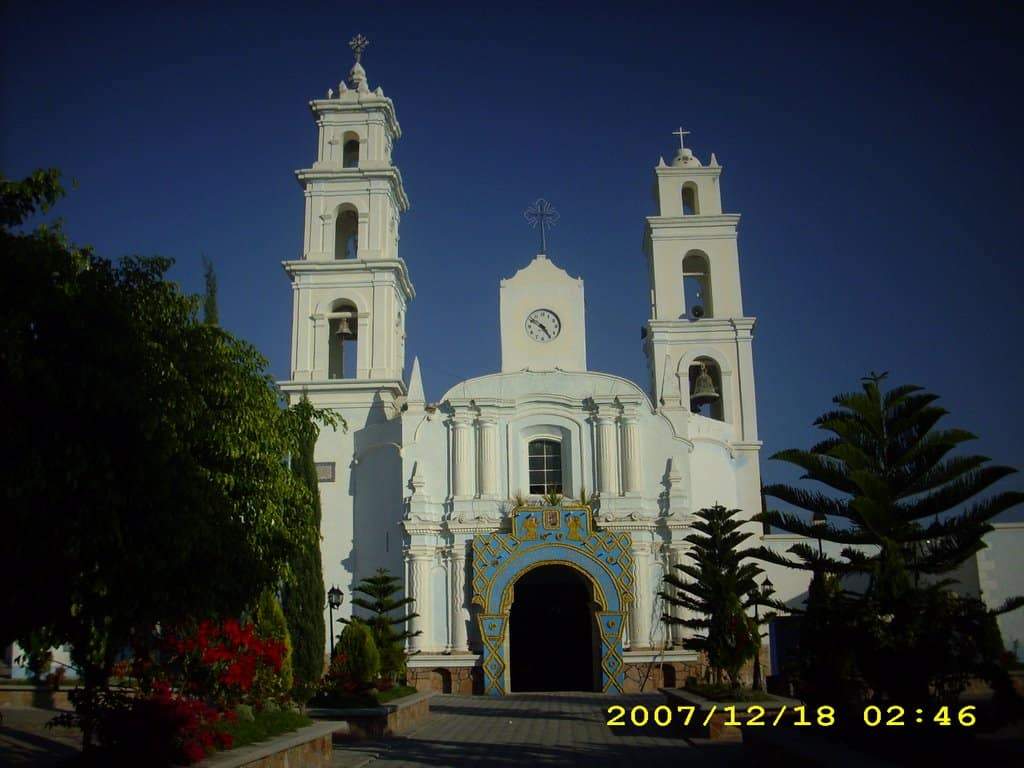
<point>227,663</point>
<point>192,683</point>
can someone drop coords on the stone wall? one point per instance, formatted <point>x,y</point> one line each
<point>309,747</point>
<point>463,681</point>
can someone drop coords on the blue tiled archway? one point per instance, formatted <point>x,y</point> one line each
<point>551,535</point>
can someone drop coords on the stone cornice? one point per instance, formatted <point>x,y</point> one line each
<point>360,103</point>
<point>387,173</point>
<point>348,266</point>
<point>664,226</point>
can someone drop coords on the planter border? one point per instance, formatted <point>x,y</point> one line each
<point>250,753</point>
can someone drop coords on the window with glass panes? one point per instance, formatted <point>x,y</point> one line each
<point>545,466</point>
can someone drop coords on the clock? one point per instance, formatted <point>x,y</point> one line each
<point>543,325</point>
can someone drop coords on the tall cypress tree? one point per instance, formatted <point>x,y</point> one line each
<point>303,600</point>
<point>210,314</point>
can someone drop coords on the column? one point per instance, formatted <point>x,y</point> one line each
<point>462,456</point>
<point>676,556</point>
<point>607,456</point>
<point>640,614</point>
<point>487,442</point>
<point>457,580</point>
<point>418,562</point>
<point>631,453</point>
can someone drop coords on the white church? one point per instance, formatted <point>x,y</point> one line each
<point>515,593</point>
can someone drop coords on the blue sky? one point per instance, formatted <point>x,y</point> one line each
<point>873,153</point>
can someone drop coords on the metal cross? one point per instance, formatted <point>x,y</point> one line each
<point>358,44</point>
<point>542,214</point>
<point>681,133</point>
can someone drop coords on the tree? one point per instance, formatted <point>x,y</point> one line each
<point>722,590</point>
<point>896,499</point>
<point>376,595</point>
<point>303,599</point>
<point>151,449</point>
<point>210,314</point>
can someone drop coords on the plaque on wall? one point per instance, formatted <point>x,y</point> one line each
<point>325,471</point>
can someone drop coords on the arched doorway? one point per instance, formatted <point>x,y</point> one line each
<point>552,633</point>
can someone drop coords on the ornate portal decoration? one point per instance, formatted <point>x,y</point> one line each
<point>552,535</point>
<point>542,215</point>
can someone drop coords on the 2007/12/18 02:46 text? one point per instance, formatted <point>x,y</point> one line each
<point>754,715</point>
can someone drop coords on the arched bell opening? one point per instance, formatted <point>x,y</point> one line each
<point>346,234</point>
<point>689,193</point>
<point>554,643</point>
<point>350,151</point>
<point>697,286</point>
<point>706,396</point>
<point>343,341</point>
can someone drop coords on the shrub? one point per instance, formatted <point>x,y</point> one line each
<point>270,623</point>
<point>358,659</point>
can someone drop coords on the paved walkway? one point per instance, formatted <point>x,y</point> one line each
<point>524,730</point>
<point>26,741</point>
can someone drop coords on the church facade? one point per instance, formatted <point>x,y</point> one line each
<point>531,511</point>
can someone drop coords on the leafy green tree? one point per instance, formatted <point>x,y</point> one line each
<point>722,589</point>
<point>151,449</point>
<point>303,599</point>
<point>211,315</point>
<point>895,498</point>
<point>377,596</point>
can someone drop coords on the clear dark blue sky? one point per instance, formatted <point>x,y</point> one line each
<point>875,155</point>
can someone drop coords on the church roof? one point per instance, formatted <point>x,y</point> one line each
<point>537,386</point>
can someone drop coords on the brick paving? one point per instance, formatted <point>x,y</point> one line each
<point>545,729</point>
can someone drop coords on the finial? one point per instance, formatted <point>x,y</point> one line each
<point>357,75</point>
<point>542,214</point>
<point>358,44</point>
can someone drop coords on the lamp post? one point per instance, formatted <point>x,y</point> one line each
<point>765,592</point>
<point>334,599</point>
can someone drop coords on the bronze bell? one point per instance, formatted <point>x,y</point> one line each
<point>703,388</point>
<point>344,329</point>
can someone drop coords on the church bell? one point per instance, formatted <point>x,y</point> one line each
<point>344,329</point>
<point>703,388</point>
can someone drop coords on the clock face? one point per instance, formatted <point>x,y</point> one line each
<point>543,325</point>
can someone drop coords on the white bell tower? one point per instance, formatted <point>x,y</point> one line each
<point>351,290</point>
<point>698,340</point>
<point>697,331</point>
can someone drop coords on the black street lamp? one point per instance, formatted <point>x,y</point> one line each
<point>766,591</point>
<point>334,599</point>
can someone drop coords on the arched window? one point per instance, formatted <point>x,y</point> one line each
<point>545,458</point>
<point>342,345</point>
<point>706,395</point>
<point>350,151</point>
<point>696,286</point>
<point>690,200</point>
<point>346,235</point>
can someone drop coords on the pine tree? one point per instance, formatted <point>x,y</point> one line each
<point>303,600</point>
<point>895,497</point>
<point>210,314</point>
<point>891,480</point>
<point>376,595</point>
<point>722,591</point>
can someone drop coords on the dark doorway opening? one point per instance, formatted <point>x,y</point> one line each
<point>552,636</point>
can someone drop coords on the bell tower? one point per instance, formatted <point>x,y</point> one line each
<point>350,288</point>
<point>698,340</point>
